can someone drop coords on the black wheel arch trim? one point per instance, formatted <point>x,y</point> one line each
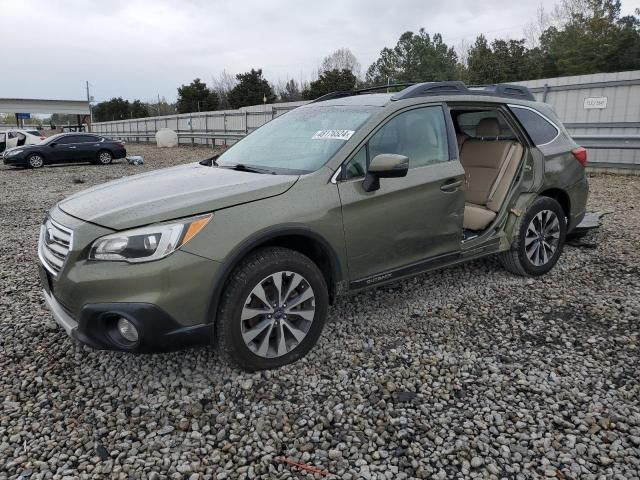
<point>263,237</point>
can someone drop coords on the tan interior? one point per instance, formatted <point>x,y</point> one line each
<point>490,165</point>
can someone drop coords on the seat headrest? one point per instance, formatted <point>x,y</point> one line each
<point>488,127</point>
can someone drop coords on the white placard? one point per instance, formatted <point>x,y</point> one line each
<point>333,135</point>
<point>595,102</point>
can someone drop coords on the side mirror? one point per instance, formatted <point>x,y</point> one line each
<point>52,144</point>
<point>385,165</point>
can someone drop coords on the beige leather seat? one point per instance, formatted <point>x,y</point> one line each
<point>461,138</point>
<point>490,165</point>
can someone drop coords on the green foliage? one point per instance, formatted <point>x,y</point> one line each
<point>502,61</point>
<point>290,92</point>
<point>251,89</point>
<point>196,97</point>
<point>137,109</point>
<point>114,109</point>
<point>594,39</point>
<point>330,81</point>
<point>584,36</point>
<point>416,57</point>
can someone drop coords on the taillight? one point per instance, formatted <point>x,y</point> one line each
<point>580,155</point>
<point>43,138</point>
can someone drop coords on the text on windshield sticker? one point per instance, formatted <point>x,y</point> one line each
<point>333,135</point>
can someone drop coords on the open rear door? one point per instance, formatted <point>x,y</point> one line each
<point>12,139</point>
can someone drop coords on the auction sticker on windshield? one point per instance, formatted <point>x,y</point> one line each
<point>333,135</point>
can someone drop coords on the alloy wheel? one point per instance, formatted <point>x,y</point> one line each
<point>36,161</point>
<point>105,158</point>
<point>277,314</point>
<point>542,238</point>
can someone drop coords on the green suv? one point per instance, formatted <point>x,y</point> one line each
<point>247,250</point>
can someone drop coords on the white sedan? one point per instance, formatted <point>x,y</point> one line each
<point>17,138</point>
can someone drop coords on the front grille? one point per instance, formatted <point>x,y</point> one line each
<point>54,245</point>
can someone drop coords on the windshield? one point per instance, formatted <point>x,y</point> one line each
<point>299,141</point>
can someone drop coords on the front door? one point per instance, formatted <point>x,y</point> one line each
<point>410,222</point>
<point>65,150</point>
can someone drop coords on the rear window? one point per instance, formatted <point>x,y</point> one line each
<point>539,129</point>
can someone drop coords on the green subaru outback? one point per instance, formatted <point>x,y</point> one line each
<point>248,249</point>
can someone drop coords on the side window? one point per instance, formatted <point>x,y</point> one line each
<point>66,140</point>
<point>468,123</point>
<point>86,139</point>
<point>357,166</point>
<point>420,134</point>
<point>11,135</point>
<point>539,129</point>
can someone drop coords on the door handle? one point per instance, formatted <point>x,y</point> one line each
<point>451,186</point>
<point>73,147</point>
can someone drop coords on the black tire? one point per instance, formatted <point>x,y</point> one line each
<point>256,267</point>
<point>105,157</point>
<point>516,260</point>
<point>35,160</point>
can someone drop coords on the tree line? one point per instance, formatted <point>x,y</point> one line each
<point>577,37</point>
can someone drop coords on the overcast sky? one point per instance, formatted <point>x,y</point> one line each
<point>144,48</point>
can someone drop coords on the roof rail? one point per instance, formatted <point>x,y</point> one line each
<point>360,91</point>
<point>332,95</point>
<point>431,88</point>
<point>503,90</point>
<point>384,87</point>
<point>459,88</point>
<point>425,89</point>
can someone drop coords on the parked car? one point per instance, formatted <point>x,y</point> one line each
<point>66,148</point>
<point>17,138</point>
<point>248,249</point>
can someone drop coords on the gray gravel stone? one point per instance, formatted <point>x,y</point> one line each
<point>465,372</point>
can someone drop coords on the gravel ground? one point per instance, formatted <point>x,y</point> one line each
<point>465,372</point>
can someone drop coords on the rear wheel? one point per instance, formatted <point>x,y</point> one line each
<point>273,309</point>
<point>104,157</point>
<point>35,160</point>
<point>539,241</point>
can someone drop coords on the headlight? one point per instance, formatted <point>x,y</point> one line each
<point>147,243</point>
<point>14,152</point>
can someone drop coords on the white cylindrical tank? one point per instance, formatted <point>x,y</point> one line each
<point>165,137</point>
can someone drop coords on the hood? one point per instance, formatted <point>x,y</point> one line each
<point>171,193</point>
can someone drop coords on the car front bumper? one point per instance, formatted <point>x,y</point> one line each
<point>13,160</point>
<point>168,301</point>
<point>157,331</point>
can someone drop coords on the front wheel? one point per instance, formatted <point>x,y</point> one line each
<point>35,160</point>
<point>104,157</point>
<point>539,241</point>
<point>273,309</point>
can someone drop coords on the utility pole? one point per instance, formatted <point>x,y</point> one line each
<point>89,100</point>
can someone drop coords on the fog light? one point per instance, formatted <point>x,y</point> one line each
<point>127,330</point>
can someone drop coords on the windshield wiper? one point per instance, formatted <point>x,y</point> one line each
<point>247,168</point>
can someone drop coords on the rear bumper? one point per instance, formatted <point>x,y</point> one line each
<point>578,195</point>
<point>119,153</point>
<point>158,332</point>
